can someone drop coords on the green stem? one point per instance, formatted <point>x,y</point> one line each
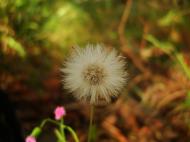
<point>91,122</point>
<point>72,133</point>
<point>48,120</point>
<point>61,127</point>
<point>61,135</point>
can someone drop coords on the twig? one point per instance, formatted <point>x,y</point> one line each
<point>123,22</point>
<point>123,40</point>
<point>108,124</point>
<point>145,31</point>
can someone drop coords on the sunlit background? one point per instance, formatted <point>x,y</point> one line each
<point>36,36</point>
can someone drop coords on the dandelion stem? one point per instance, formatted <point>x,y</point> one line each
<point>91,123</point>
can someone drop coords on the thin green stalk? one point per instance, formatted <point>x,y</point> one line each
<point>60,133</point>
<point>59,136</point>
<point>61,127</point>
<point>48,120</point>
<point>182,63</point>
<point>91,122</point>
<point>72,133</point>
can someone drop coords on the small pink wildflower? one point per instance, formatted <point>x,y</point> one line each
<point>59,112</point>
<point>30,139</point>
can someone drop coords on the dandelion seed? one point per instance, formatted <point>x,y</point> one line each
<point>94,74</point>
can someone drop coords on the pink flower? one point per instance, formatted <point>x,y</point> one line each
<point>59,112</point>
<point>30,139</point>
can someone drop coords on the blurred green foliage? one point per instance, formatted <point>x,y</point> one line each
<point>12,43</point>
<point>37,34</point>
<point>187,101</point>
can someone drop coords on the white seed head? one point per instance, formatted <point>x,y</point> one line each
<point>94,74</point>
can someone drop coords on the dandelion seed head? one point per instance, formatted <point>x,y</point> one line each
<point>94,74</point>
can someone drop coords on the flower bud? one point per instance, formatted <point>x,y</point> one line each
<point>36,131</point>
<point>30,139</point>
<point>59,112</point>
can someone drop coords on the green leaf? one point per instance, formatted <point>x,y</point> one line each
<point>173,16</point>
<point>184,66</point>
<point>187,100</point>
<point>165,46</point>
<point>19,3</point>
<point>15,45</point>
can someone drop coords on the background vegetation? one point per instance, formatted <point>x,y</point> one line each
<point>36,36</point>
